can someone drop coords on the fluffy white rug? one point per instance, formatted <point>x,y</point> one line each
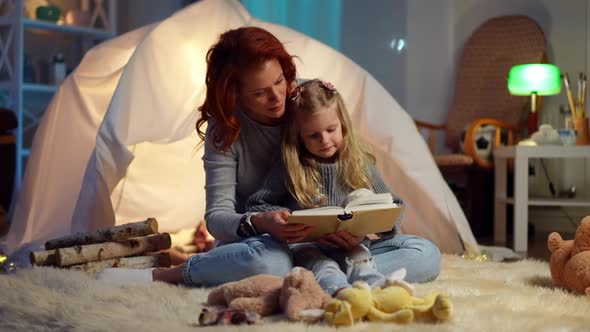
<point>486,296</point>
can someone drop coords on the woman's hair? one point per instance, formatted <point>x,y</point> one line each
<point>303,179</point>
<point>236,51</point>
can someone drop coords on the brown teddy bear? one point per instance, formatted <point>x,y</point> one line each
<point>570,259</point>
<point>296,295</point>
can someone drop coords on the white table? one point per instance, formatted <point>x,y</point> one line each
<point>521,200</point>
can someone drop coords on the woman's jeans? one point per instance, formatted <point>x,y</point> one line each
<point>264,255</point>
<point>238,260</point>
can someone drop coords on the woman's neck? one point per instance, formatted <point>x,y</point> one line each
<point>264,121</point>
<point>261,122</point>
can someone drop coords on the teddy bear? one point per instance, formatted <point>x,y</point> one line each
<point>392,303</point>
<point>570,259</point>
<point>297,295</point>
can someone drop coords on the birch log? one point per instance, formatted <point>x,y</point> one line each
<point>117,233</point>
<point>44,257</point>
<point>102,251</point>
<point>137,262</point>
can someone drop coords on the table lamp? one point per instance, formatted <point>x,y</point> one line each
<point>535,79</point>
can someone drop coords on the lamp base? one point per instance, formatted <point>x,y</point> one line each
<point>533,123</point>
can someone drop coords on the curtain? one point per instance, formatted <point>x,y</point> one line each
<point>317,19</point>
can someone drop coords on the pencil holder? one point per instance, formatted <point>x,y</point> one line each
<point>581,126</point>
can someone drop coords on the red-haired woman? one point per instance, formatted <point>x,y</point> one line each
<point>249,76</point>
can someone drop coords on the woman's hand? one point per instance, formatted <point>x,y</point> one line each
<point>342,239</point>
<point>275,224</point>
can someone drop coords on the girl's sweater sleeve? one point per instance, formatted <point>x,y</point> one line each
<point>273,194</point>
<point>379,186</point>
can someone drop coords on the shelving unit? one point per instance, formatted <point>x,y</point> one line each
<point>521,200</point>
<point>13,25</point>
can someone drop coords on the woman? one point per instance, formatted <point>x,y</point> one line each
<point>249,76</point>
<point>249,73</point>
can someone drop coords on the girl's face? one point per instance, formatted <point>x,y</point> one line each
<point>263,92</point>
<point>321,132</point>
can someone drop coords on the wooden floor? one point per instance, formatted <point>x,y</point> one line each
<point>537,246</point>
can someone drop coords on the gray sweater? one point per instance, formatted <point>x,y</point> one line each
<point>234,175</point>
<point>274,195</point>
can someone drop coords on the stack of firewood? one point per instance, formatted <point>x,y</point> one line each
<point>126,245</point>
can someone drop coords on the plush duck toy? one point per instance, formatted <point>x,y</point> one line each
<point>392,303</point>
<point>570,259</point>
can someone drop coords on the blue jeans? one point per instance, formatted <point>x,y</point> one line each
<point>336,269</point>
<point>238,260</point>
<point>420,257</point>
<point>263,255</point>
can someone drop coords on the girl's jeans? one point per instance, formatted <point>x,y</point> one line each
<point>336,269</point>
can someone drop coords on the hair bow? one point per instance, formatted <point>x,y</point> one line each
<point>328,86</point>
<point>296,91</point>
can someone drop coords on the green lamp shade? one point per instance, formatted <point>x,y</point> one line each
<point>537,78</point>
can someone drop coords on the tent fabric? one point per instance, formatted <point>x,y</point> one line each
<point>144,160</point>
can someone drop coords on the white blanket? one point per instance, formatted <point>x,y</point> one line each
<point>486,296</point>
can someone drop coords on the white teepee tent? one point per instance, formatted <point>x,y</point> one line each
<point>140,157</point>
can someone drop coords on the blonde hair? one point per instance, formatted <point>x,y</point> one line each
<point>352,160</point>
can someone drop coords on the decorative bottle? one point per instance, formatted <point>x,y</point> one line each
<point>59,69</point>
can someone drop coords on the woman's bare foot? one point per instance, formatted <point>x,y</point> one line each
<point>172,275</point>
<point>176,256</point>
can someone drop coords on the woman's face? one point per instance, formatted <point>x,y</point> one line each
<point>263,92</point>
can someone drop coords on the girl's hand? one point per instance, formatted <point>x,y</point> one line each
<point>342,239</point>
<point>275,224</point>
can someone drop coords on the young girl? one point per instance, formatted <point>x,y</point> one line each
<point>323,161</point>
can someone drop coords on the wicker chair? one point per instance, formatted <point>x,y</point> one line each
<point>482,98</point>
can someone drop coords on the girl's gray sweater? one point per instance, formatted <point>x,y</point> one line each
<point>274,195</point>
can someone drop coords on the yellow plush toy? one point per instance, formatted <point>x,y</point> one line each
<point>393,303</point>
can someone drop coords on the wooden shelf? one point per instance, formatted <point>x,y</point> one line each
<point>67,29</point>
<point>543,151</point>
<point>35,95</point>
<point>573,202</point>
<point>579,202</point>
<point>42,88</point>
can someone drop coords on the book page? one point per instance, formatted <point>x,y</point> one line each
<point>321,211</point>
<point>371,206</point>
<point>384,198</point>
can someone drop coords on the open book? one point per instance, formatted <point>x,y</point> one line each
<point>361,212</point>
